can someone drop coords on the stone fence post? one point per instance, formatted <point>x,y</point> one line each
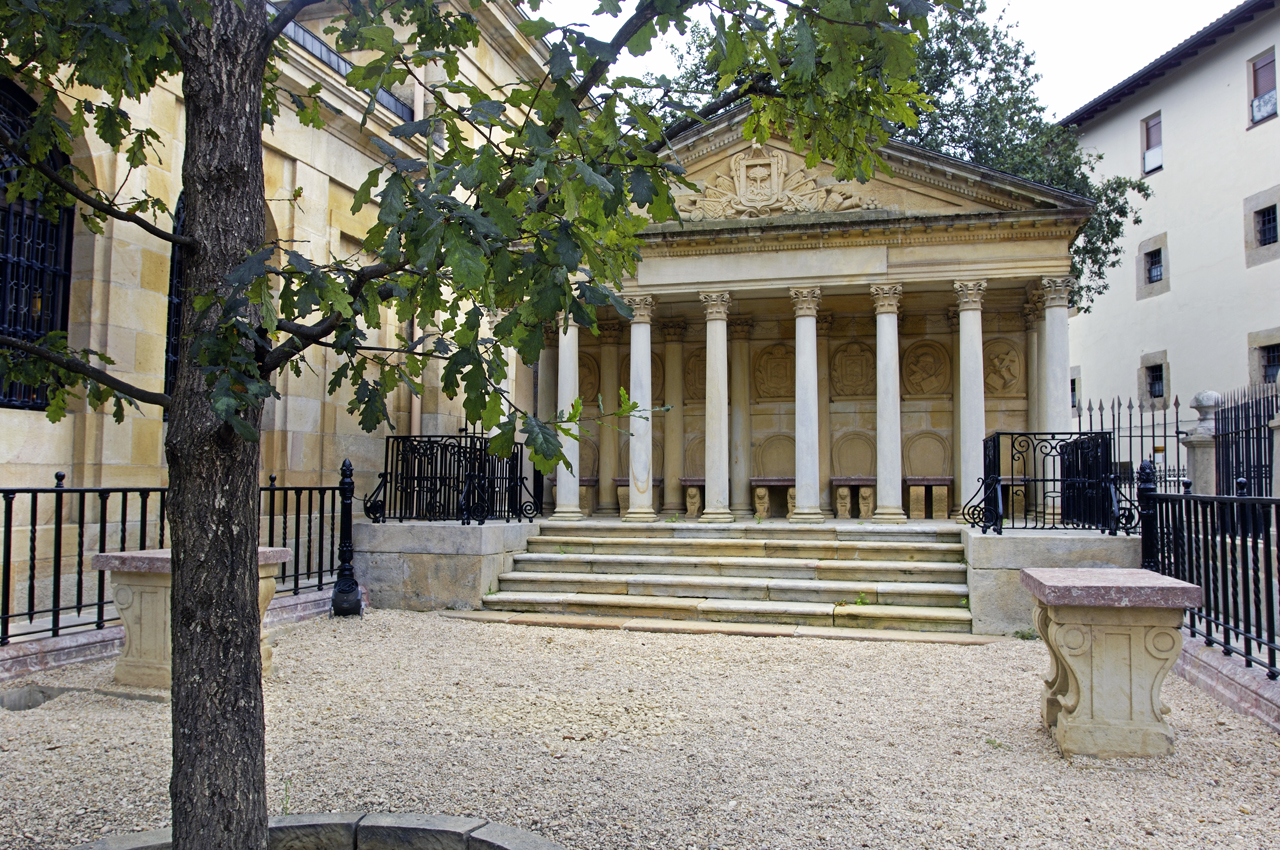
<point>1202,463</point>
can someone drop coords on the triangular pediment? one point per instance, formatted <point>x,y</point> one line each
<point>739,179</point>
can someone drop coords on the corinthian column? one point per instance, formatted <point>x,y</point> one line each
<point>610,331</point>
<point>567,509</point>
<point>806,302</point>
<point>547,396</point>
<point>1031,321</point>
<point>716,508</point>
<point>958,492</point>
<point>673,420</point>
<point>740,416</point>
<point>824,414</point>
<point>888,409</point>
<point>641,425</point>
<point>973,405</point>
<point>1057,357</point>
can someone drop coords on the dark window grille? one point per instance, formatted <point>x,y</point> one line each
<point>35,256</point>
<point>1270,363</point>
<point>1155,381</point>
<point>1155,266</point>
<point>1266,221</point>
<point>173,337</point>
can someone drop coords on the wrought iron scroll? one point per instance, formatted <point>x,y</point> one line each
<point>451,477</point>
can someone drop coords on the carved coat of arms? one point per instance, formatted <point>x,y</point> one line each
<point>758,184</point>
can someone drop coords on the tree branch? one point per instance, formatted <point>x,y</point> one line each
<point>284,17</point>
<point>88,200</point>
<point>79,367</point>
<point>724,101</point>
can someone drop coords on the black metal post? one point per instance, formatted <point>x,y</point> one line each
<point>347,599</point>
<point>1147,513</point>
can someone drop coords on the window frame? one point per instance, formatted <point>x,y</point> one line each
<point>1258,222</point>
<point>1149,266</point>
<point>1267,56</point>
<point>1152,370</point>
<point>1269,357</point>
<point>1145,146</point>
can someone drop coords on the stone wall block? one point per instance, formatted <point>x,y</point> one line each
<point>416,832</point>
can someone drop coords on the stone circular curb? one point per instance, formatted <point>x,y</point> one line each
<point>359,831</point>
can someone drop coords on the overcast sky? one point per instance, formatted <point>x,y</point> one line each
<point>1082,47</point>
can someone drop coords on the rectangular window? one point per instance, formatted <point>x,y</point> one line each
<point>1270,363</point>
<point>1075,403</point>
<point>1264,87</point>
<point>1265,220</point>
<point>1152,144</point>
<point>1155,265</point>
<point>1155,381</point>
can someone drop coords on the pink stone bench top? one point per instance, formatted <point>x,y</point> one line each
<point>1108,588</point>
<point>157,560</point>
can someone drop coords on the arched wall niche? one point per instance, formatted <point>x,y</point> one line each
<point>853,455</point>
<point>775,457</point>
<point>695,452</point>
<point>926,455</point>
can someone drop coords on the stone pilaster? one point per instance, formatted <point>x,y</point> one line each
<point>888,406</point>
<point>547,400</point>
<point>1201,446</point>
<point>640,504</point>
<point>958,495</point>
<point>806,303</point>
<point>610,333</point>
<point>973,407</point>
<point>1031,321</point>
<point>824,413</point>
<point>567,500</point>
<point>716,507</point>
<point>673,331</point>
<point>740,415</point>
<point>1057,365</point>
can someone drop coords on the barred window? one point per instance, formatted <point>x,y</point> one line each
<point>35,256</point>
<point>1155,265</point>
<point>1155,380</point>
<point>1270,363</point>
<point>173,335</point>
<point>1265,219</point>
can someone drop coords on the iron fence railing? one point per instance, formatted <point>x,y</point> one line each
<point>1050,481</point>
<point>451,477</point>
<point>50,534</point>
<point>1227,546</point>
<point>1141,430</point>
<point>1243,441</point>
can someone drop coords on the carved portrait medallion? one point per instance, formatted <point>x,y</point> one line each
<point>853,370</point>
<point>1002,367</point>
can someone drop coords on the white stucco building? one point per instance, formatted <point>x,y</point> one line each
<point>1196,302</point>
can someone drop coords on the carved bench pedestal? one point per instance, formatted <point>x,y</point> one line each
<point>1113,635</point>
<point>140,585</point>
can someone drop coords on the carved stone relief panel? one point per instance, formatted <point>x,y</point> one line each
<point>775,457</point>
<point>926,454</point>
<point>588,378</point>
<point>775,372</point>
<point>1002,366</point>
<point>853,370</point>
<point>853,454</point>
<point>926,369</point>
<point>695,375</point>
<point>656,377</point>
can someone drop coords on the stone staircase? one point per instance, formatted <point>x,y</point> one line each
<point>837,574</point>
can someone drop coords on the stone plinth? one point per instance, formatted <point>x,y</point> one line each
<point>1113,636</point>
<point>140,585</point>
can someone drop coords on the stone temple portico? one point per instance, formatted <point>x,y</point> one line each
<point>817,349</point>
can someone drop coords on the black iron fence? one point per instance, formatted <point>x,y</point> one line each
<point>451,477</point>
<point>1141,430</point>
<point>50,534</point>
<point>1242,440</point>
<point>1227,546</point>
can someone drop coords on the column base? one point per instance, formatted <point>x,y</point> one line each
<point>743,513</point>
<point>889,513</point>
<point>640,516</point>
<point>720,516</point>
<point>607,511</point>
<point>574,515</point>
<point>814,516</point>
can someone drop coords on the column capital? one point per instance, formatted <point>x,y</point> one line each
<point>740,327</point>
<point>1057,290</point>
<point>806,301</point>
<point>716,304</point>
<point>825,321</point>
<point>550,334</point>
<point>953,318</point>
<point>1030,315</point>
<point>641,308</point>
<point>969,294</point>
<point>610,331</point>
<point>672,330</point>
<point>886,298</point>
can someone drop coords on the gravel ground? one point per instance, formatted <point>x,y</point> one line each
<point>631,740</point>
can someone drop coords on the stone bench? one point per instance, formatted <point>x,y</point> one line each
<point>1113,635</point>
<point>140,585</point>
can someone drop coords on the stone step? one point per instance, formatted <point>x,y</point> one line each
<point>908,617</point>
<point>792,568</point>
<point>916,532</point>
<point>731,587</point>
<point>748,548</point>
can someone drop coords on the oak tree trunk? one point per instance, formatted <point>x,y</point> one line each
<point>218,785</point>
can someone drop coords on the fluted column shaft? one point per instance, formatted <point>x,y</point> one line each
<point>806,303</point>
<point>673,420</point>
<point>888,409</point>
<point>716,508</point>
<point>608,498</point>
<point>641,426</point>
<point>973,405</point>
<point>740,416</point>
<point>547,401</point>
<point>1057,365</point>
<point>567,505</point>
